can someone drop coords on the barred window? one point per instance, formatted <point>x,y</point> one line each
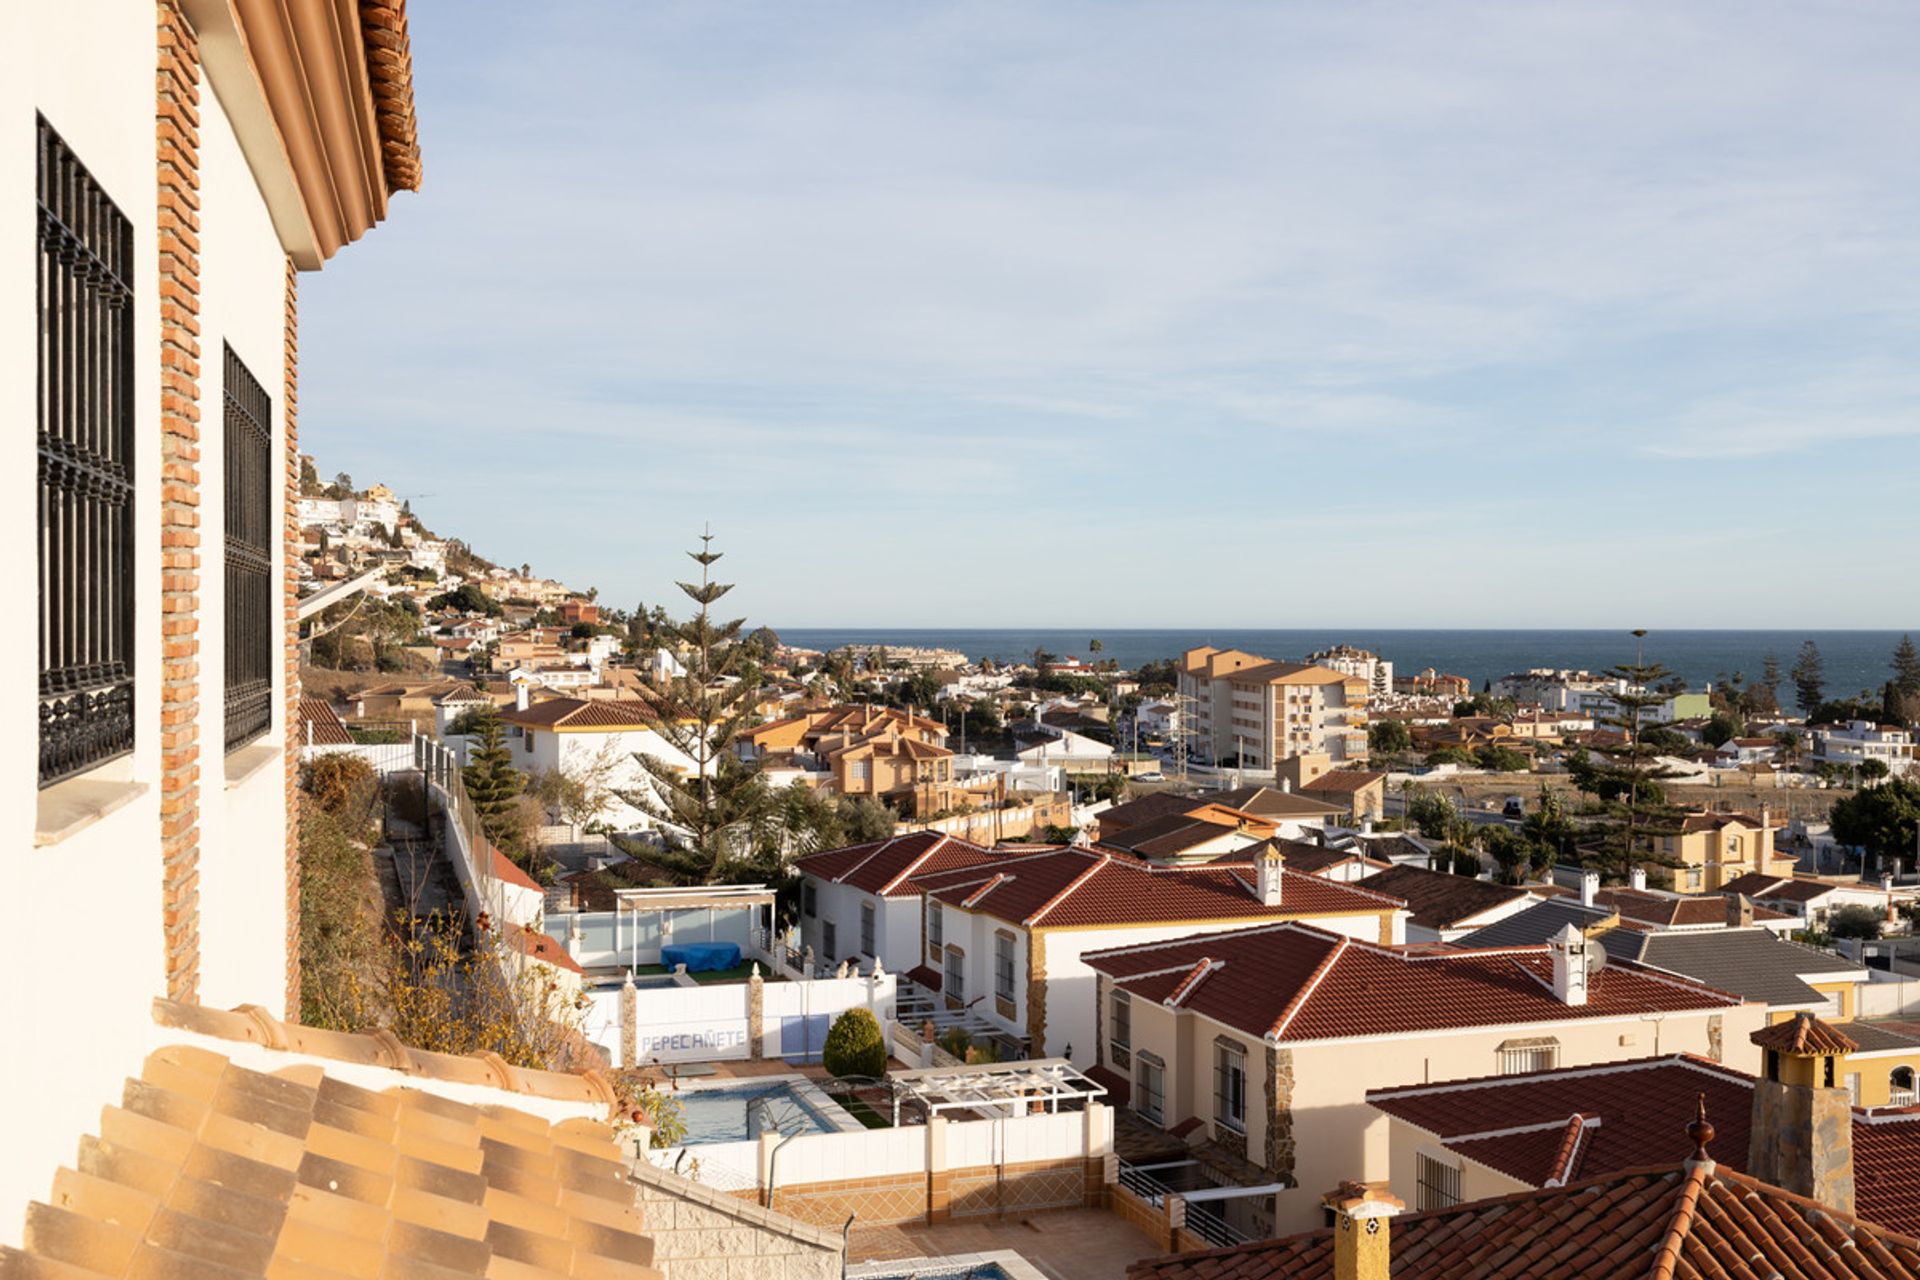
<point>250,518</point>
<point>1003,965</point>
<point>1122,1032</point>
<point>956,976</point>
<point>807,898</point>
<point>829,944</point>
<point>1230,1088</point>
<point>1150,1087</point>
<point>1438,1184</point>
<point>866,929</point>
<point>934,922</point>
<point>85,444</point>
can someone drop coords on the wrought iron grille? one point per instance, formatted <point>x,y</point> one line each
<point>85,438</point>
<point>250,517</point>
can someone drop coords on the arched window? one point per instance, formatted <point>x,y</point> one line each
<point>1900,1087</point>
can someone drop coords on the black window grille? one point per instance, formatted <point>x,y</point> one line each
<point>85,437</point>
<point>249,526</point>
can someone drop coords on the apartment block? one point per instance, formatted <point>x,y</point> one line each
<point>1261,712</point>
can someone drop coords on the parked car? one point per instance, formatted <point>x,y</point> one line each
<point>1516,807</point>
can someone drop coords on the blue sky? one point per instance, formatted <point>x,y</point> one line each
<point>1122,314</point>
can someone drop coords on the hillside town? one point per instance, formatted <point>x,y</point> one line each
<point>515,931</point>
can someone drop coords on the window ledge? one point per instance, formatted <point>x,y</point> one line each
<point>69,807</point>
<point>249,760</point>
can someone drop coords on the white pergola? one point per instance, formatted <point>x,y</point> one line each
<point>1008,1088</point>
<point>714,897</point>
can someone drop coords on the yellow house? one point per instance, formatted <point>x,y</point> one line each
<point>1714,848</point>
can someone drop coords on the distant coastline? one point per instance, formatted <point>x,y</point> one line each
<point>1855,660</point>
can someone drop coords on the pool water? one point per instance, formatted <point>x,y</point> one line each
<point>735,1113</point>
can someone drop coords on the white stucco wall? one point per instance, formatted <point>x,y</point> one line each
<point>84,951</point>
<point>243,810</point>
<point>1070,982</point>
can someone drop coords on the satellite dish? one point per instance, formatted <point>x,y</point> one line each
<point>1596,957</point>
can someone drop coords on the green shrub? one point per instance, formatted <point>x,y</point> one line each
<point>855,1046</point>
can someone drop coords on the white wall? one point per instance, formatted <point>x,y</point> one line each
<point>896,925</point>
<point>1070,983</point>
<point>91,921</point>
<point>243,811</point>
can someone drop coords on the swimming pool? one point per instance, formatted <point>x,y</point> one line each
<point>1001,1264</point>
<point>744,1109</point>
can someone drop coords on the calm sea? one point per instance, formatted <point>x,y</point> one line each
<point>1855,660</point>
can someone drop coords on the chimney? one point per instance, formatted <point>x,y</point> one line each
<point>1589,887</point>
<point>1268,876</point>
<point>521,690</point>
<point>1739,911</point>
<point>1801,1137</point>
<point>1569,951</point>
<point>1637,878</point>
<point>1363,1213</point>
<point>1286,786</point>
<point>1366,826</point>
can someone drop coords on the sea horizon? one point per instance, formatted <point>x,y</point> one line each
<point>1854,659</point>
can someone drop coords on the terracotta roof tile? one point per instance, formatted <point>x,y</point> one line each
<point>209,1168</point>
<point>1640,1111</point>
<point>1440,899</point>
<point>1068,887</point>
<point>1663,1222</point>
<point>893,868</point>
<point>321,725</point>
<point>383,28</point>
<point>1301,983</point>
<point>1804,1034</point>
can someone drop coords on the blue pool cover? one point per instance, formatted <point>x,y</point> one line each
<point>701,957</point>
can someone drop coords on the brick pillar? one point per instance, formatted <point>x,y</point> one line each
<point>177,155</point>
<point>629,1032</point>
<point>756,1014</point>
<point>290,569</point>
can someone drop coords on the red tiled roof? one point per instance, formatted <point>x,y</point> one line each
<point>1343,781</point>
<point>1298,983</point>
<point>1675,912</point>
<point>1522,1125</point>
<point>1074,886</point>
<point>1662,1223</point>
<point>1440,899</point>
<point>321,725</point>
<point>893,868</point>
<point>540,946</point>
<point>1804,1034</point>
<point>581,713</point>
<point>504,869</point>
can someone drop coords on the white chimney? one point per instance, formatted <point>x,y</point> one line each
<point>1638,878</point>
<point>1268,876</point>
<point>521,691</point>
<point>1569,951</point>
<point>1366,826</point>
<point>1589,887</point>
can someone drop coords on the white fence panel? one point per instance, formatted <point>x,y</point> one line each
<point>690,1024</point>
<point>971,1143</point>
<point>724,1166</point>
<point>1044,1137</point>
<point>841,1157</point>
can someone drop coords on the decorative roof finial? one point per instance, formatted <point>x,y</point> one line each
<point>1701,1133</point>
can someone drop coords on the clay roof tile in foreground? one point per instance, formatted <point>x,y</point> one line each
<point>208,1168</point>
<point>383,29</point>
